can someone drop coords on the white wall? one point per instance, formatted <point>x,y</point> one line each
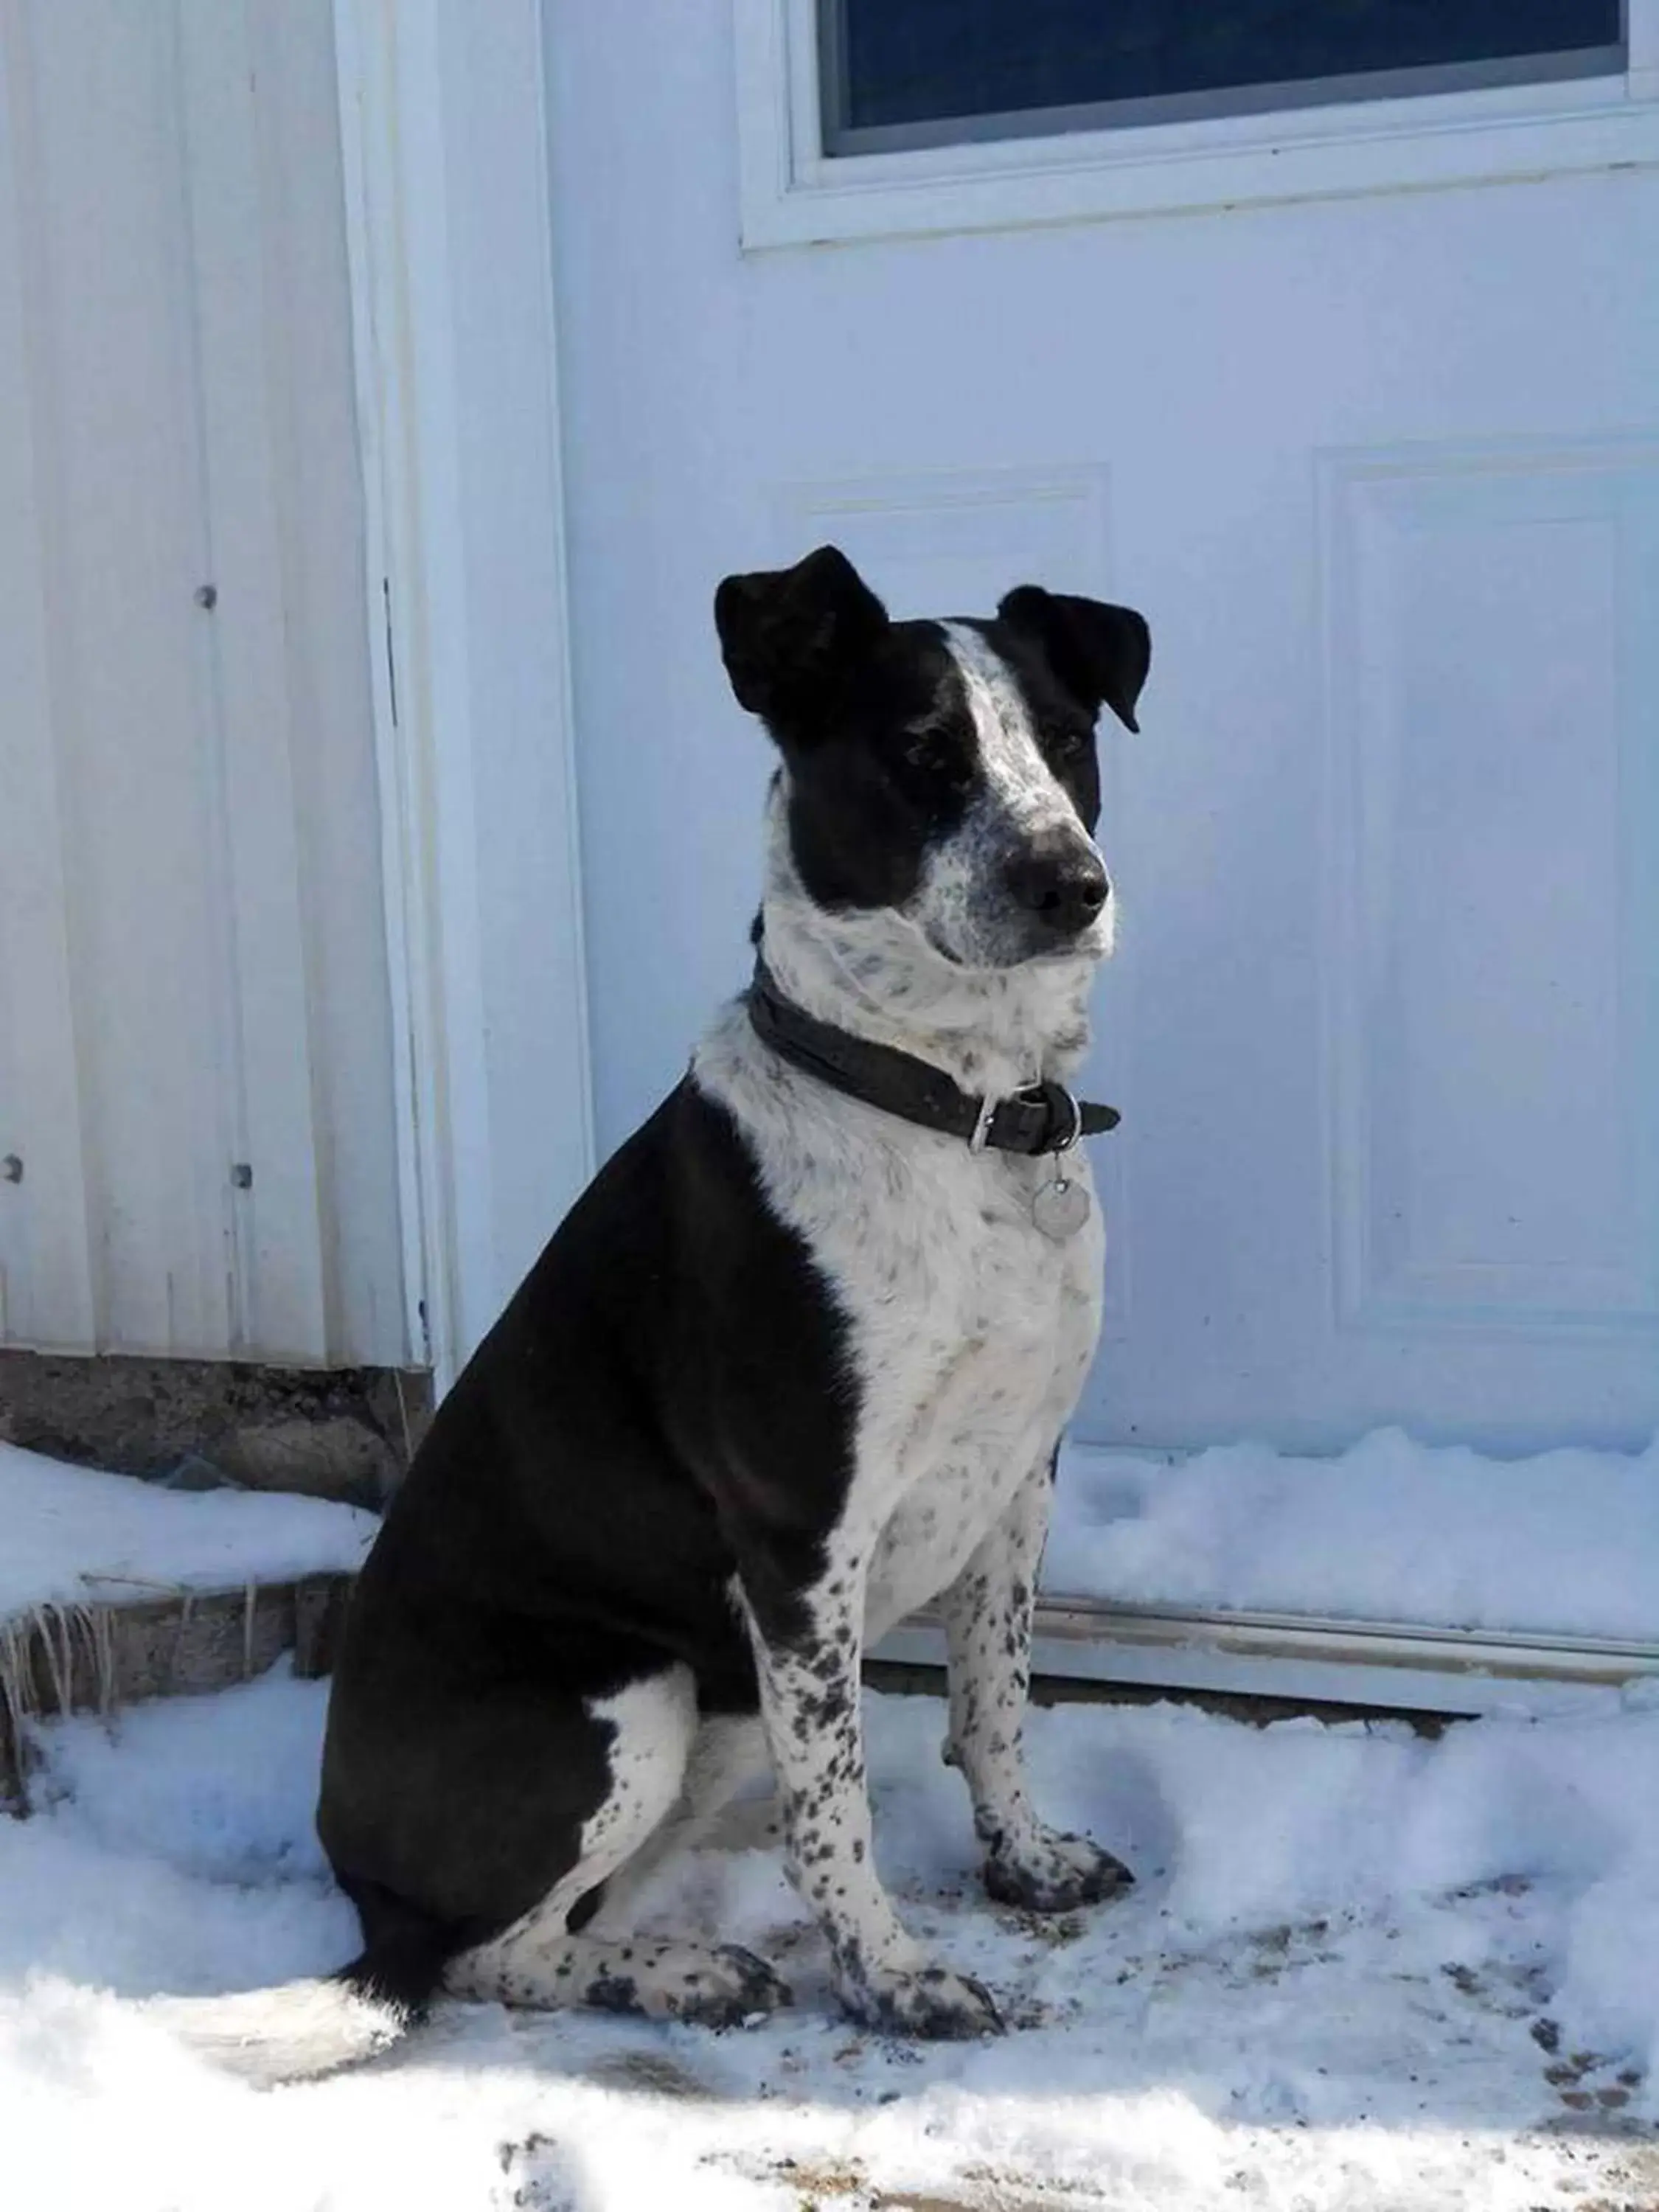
<point>192,970</point>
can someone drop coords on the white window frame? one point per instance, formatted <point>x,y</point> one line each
<point>792,194</point>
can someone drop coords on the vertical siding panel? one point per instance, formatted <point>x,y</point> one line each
<point>317,475</point>
<point>46,1277</point>
<point>278,1250</point>
<point>113,384</point>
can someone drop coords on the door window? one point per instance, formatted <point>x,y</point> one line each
<point>903,73</point>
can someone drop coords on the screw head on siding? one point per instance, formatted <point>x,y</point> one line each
<point>11,1169</point>
<point>241,1175</point>
<point>208,596</point>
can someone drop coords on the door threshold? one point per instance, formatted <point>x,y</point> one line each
<point>1310,1659</point>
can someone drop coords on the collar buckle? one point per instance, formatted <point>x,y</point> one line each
<point>1061,1110</point>
<point>1068,1142</point>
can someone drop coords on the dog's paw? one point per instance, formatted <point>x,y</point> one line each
<point>1054,1873</point>
<point>709,1986</point>
<point>731,1988</point>
<point>930,2001</point>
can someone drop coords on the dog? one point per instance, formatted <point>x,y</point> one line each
<point>797,1363</point>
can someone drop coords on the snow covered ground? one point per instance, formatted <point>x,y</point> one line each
<point>1361,1971</point>
<point>71,1535</point>
<point>1567,1541</point>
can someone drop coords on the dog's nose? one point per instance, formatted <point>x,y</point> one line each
<point>1059,879</point>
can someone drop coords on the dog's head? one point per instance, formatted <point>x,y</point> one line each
<point>943,771</point>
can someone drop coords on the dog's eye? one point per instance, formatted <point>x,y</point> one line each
<point>934,766</point>
<point>1063,744</point>
<point>930,753</point>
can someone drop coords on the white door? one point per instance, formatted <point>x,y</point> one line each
<point>1357,398</point>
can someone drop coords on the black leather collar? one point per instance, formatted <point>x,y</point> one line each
<point>1045,1118</point>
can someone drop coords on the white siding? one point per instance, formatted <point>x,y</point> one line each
<point>192,965</point>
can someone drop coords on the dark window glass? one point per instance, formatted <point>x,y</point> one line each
<point>921,71</point>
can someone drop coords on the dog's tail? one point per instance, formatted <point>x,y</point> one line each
<point>301,2030</point>
<point>293,2032</point>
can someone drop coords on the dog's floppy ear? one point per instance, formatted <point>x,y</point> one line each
<point>788,634</point>
<point>1100,652</point>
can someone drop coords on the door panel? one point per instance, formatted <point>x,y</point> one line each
<point>1492,675</point>
<point>1382,1020</point>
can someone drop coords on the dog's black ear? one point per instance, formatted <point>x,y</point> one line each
<point>1100,652</point>
<point>788,636</point>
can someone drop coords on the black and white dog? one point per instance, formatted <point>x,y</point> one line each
<point>796,1363</point>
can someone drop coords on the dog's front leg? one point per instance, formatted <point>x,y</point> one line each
<point>987,1619</point>
<point>809,1664</point>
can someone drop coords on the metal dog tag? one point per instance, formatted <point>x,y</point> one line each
<point>1061,1208</point>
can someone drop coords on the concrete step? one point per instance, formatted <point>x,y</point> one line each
<point>99,1656</point>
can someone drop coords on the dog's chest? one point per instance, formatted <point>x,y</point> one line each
<point>975,1331</point>
<point>969,1329</point>
<point>965,1316</point>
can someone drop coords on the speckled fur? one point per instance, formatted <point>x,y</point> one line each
<point>972,1334</point>
<point>987,1625</point>
<point>537,1962</point>
<point>958,907</point>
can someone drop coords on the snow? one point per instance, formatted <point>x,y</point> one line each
<point>1566,1542</point>
<point>73,1536</point>
<point>1361,1969</point>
